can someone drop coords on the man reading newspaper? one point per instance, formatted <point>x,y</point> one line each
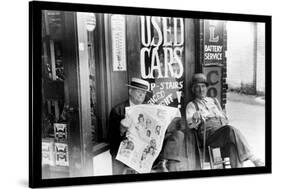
<point>128,142</point>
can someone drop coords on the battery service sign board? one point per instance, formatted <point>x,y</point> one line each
<point>214,62</point>
<point>213,43</point>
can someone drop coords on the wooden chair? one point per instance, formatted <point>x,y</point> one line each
<point>209,154</point>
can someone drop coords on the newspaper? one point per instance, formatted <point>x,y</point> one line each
<point>145,135</point>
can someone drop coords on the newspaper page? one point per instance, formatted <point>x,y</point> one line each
<point>145,135</point>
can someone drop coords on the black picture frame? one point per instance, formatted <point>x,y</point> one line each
<point>35,94</point>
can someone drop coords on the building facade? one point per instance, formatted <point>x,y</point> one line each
<point>87,60</point>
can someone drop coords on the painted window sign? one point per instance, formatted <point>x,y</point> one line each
<point>161,58</point>
<point>213,43</point>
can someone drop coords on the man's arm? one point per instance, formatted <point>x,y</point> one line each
<point>221,110</point>
<point>193,117</point>
<point>115,118</point>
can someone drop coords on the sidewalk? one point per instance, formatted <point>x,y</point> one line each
<point>247,113</point>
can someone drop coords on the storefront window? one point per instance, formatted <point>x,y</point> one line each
<point>69,88</point>
<point>54,127</point>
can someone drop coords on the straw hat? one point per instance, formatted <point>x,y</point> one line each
<point>139,84</point>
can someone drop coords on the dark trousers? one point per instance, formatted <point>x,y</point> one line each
<point>179,147</point>
<point>119,168</point>
<point>232,143</point>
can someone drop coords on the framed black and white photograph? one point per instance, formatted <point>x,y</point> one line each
<point>124,94</point>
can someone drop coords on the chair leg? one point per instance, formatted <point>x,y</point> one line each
<point>204,143</point>
<point>211,157</point>
<point>199,151</point>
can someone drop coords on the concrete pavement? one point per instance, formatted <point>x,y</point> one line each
<point>247,113</point>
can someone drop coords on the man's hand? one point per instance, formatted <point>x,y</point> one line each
<point>124,125</point>
<point>197,119</point>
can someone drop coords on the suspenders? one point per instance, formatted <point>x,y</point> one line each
<point>217,104</point>
<point>215,101</point>
<point>196,105</point>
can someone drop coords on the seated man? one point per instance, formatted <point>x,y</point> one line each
<point>205,111</point>
<point>172,154</point>
<point>117,124</point>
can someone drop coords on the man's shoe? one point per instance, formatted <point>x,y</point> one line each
<point>258,163</point>
<point>160,167</point>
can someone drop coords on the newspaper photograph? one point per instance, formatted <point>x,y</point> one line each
<point>145,135</point>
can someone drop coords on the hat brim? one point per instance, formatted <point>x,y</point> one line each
<point>138,88</point>
<point>206,83</point>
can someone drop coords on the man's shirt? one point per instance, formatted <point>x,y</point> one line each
<point>208,108</point>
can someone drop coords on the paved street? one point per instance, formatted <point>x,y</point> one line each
<point>247,113</point>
